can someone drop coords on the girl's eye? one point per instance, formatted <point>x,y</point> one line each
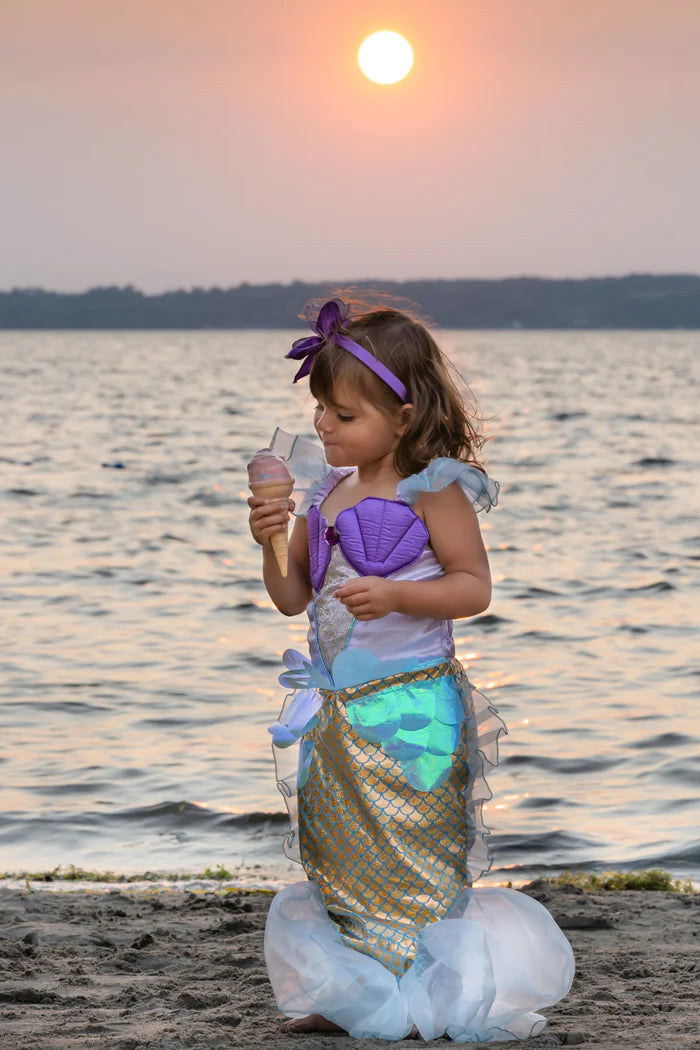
<point>345,419</point>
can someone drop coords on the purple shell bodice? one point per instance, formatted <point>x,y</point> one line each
<point>377,537</point>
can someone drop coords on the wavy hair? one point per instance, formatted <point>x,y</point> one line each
<point>444,422</point>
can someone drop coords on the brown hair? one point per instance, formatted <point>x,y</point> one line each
<point>441,424</point>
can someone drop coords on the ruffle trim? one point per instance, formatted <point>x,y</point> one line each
<point>484,729</point>
<point>307,463</point>
<point>479,488</point>
<point>336,474</point>
<point>479,975</point>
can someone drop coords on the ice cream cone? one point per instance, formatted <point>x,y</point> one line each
<point>269,478</point>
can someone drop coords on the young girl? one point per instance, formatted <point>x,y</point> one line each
<point>387,938</point>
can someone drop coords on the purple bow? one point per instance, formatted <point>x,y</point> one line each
<point>331,317</point>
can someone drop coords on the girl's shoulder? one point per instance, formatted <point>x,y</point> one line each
<point>478,487</point>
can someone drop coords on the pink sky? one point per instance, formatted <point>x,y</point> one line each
<point>181,143</point>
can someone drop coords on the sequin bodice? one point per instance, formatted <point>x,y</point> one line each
<point>333,620</point>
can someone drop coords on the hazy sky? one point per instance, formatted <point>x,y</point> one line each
<point>209,142</point>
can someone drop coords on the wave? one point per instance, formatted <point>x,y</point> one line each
<point>657,587</point>
<point>662,740</point>
<point>539,592</point>
<point>488,620</point>
<point>189,813</point>
<point>654,461</point>
<point>563,765</point>
<point>163,816</point>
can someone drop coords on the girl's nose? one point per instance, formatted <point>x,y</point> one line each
<point>323,423</point>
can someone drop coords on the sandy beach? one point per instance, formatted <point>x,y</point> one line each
<point>168,969</point>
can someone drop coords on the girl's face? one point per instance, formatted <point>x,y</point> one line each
<point>354,432</point>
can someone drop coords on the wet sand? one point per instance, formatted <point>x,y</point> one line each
<point>171,969</point>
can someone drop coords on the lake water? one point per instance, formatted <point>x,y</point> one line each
<point>139,652</point>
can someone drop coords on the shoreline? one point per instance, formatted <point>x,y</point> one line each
<point>248,880</point>
<point>168,968</point>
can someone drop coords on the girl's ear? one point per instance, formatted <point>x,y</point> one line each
<point>404,417</point>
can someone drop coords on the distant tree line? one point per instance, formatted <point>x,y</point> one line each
<point>635,301</point>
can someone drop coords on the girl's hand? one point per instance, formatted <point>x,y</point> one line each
<point>368,597</point>
<point>268,516</point>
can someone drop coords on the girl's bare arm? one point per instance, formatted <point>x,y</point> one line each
<point>455,536</point>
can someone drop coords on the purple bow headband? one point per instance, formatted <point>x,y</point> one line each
<point>331,317</point>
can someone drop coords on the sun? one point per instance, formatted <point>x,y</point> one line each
<point>385,57</point>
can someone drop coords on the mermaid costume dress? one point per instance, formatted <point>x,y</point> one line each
<point>382,750</point>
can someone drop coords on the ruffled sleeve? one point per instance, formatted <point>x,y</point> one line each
<point>307,463</point>
<point>479,488</point>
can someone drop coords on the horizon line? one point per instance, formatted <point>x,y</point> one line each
<point>348,284</point>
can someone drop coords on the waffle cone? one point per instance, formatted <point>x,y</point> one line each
<point>280,545</point>
<point>279,540</point>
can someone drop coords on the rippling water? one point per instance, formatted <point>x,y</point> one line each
<point>139,651</point>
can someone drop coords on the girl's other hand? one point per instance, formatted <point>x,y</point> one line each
<point>268,516</point>
<point>368,597</point>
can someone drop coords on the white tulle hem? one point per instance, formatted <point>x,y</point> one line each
<point>479,975</point>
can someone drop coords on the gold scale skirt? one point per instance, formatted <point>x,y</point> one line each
<point>388,858</point>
